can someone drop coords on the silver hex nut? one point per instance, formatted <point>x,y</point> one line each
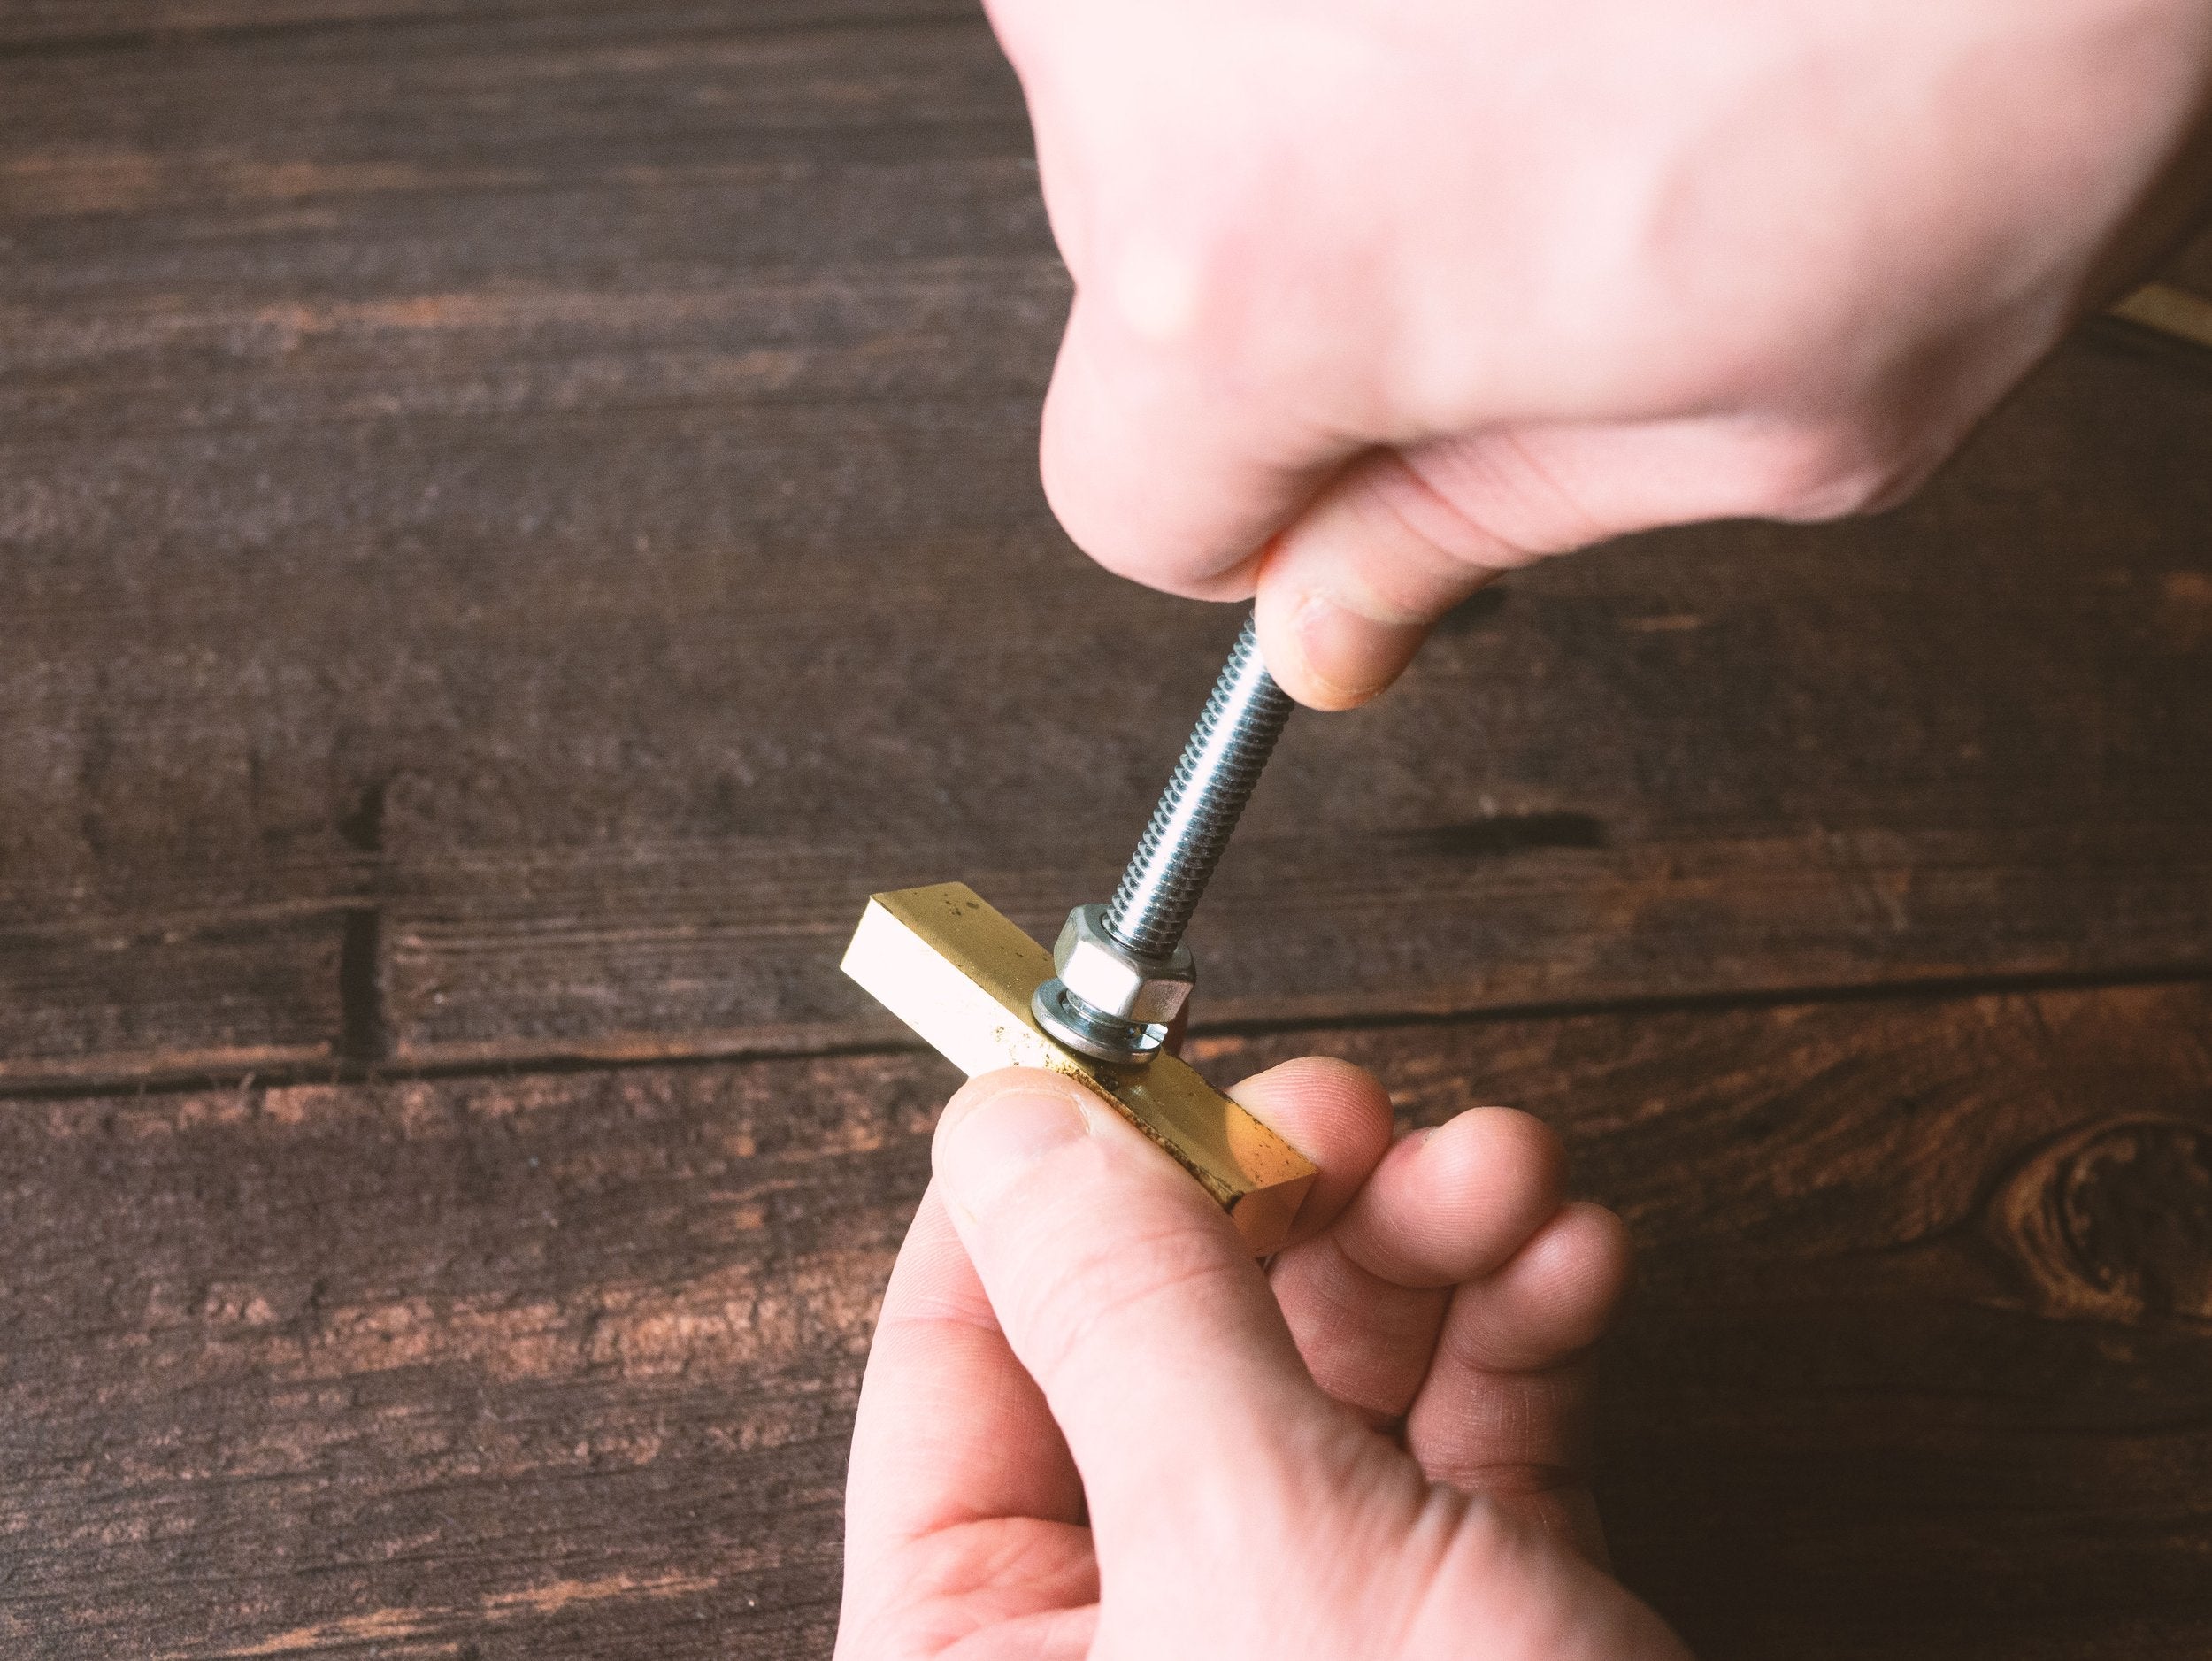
<point>1110,977</point>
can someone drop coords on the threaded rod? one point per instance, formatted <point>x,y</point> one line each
<point>1213,781</point>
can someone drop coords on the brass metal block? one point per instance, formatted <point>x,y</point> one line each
<point>961,975</point>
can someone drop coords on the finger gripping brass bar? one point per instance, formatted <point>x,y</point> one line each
<point>962,976</point>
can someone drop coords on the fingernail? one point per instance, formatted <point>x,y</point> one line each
<point>993,1143</point>
<point>1351,657</point>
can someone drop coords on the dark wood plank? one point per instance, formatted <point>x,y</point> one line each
<point>239,992</point>
<point>200,731</point>
<point>561,484</point>
<point>540,1366</point>
<point>52,27</point>
<point>1922,1357</point>
<point>2192,267</point>
<point>560,1365</point>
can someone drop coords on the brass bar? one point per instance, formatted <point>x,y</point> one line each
<point>961,975</point>
<point>2175,312</point>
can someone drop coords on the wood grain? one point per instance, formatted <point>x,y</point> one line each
<point>514,517</point>
<point>552,491</point>
<point>560,1365</point>
<point>257,989</point>
<point>50,27</point>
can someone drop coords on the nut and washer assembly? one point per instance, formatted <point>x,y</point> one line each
<point>1124,971</point>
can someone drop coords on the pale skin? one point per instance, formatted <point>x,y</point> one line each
<point>1092,1426</point>
<point>1375,299</point>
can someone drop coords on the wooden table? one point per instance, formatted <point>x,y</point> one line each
<point>515,516</point>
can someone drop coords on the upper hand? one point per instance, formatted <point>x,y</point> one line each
<point>1375,297</point>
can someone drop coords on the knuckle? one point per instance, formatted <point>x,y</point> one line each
<point>1834,469</point>
<point>1430,494</point>
<point>1518,1144</point>
<point>1156,285</point>
<point>1515,1478</point>
<point>1481,1533</point>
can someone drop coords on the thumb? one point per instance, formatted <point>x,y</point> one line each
<point>1348,590</point>
<point>1125,1292</point>
<point>1158,474</point>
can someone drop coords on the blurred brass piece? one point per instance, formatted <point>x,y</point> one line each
<point>2159,305</point>
<point>961,975</point>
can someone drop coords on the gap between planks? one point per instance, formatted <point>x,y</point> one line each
<point>195,1075</point>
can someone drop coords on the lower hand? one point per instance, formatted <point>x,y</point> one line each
<point>1093,1427</point>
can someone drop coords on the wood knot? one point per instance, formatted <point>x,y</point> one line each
<point>2113,1220</point>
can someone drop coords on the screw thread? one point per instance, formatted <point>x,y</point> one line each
<point>1214,778</point>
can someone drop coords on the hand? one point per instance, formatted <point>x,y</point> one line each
<point>1376,297</point>
<point>1093,1427</point>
